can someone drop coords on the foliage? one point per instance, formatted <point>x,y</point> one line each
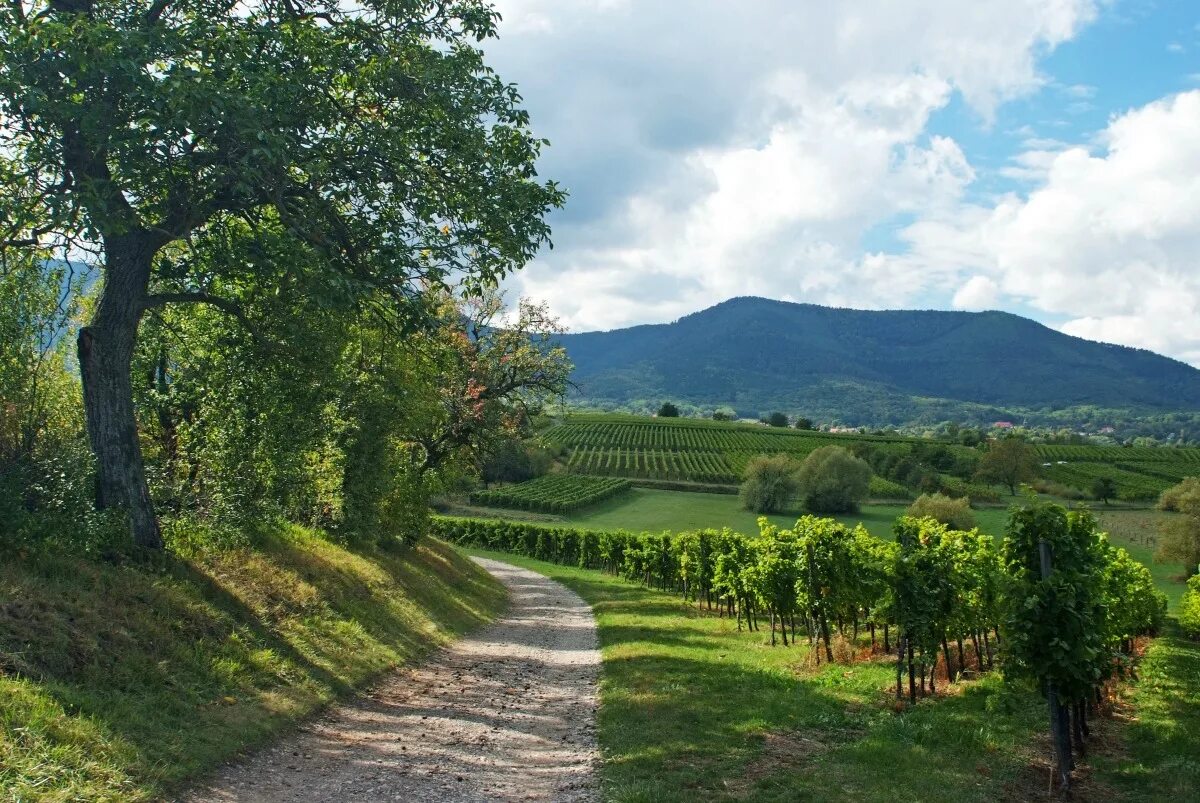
<point>514,460</point>
<point>206,156</point>
<point>1189,609</point>
<point>555,493</point>
<point>1103,488</point>
<point>804,423</point>
<point>777,419</point>
<point>1008,462</point>
<point>831,480</point>
<point>954,513</point>
<point>1179,536</point>
<point>668,410</point>
<point>1182,498</point>
<point>770,483</point>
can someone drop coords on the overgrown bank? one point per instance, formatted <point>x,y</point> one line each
<point>120,681</point>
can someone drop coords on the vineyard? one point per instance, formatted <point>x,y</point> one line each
<point>700,451</point>
<point>694,450</point>
<point>554,493</point>
<point>1066,604</point>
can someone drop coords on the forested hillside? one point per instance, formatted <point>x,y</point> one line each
<point>873,367</point>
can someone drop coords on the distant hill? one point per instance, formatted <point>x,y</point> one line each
<point>873,367</point>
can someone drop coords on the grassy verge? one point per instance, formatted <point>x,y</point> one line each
<point>1157,754</point>
<point>691,709</point>
<point>120,682</point>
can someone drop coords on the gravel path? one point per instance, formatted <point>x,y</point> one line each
<point>506,714</point>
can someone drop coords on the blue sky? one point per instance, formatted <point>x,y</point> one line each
<point>1037,156</point>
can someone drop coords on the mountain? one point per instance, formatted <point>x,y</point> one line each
<point>872,367</point>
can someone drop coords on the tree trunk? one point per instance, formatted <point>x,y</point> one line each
<point>105,360</point>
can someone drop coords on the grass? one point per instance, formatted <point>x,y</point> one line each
<point>1158,751</point>
<point>122,682</point>
<point>691,709</point>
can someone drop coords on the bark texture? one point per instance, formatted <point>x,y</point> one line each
<point>106,347</point>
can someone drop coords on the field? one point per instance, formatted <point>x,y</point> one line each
<point>691,709</point>
<point>686,449</point>
<point>652,510</point>
<point>553,493</point>
<point>695,450</point>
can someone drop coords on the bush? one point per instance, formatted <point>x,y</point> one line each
<point>833,481</point>
<point>1179,536</point>
<point>668,410</point>
<point>954,513</point>
<point>1189,608</point>
<point>771,482</point>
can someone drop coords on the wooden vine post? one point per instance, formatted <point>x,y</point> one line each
<point>1059,728</point>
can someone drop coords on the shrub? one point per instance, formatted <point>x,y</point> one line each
<point>1179,536</point>
<point>770,483</point>
<point>954,513</point>
<point>1189,608</point>
<point>668,410</point>
<point>833,481</point>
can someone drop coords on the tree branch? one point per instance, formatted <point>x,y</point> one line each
<point>230,308</point>
<point>156,11</point>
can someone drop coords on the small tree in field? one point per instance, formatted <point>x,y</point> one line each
<point>770,483</point>
<point>954,513</point>
<point>777,420</point>
<point>668,410</point>
<point>804,423</point>
<point>1008,462</point>
<point>833,481</point>
<point>1104,489</point>
<point>1179,536</point>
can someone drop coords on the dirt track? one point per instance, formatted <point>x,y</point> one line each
<point>505,714</point>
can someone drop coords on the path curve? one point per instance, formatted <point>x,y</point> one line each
<point>507,713</point>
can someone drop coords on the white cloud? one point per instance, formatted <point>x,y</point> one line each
<point>1110,239</point>
<point>716,150</point>
<point>979,293</point>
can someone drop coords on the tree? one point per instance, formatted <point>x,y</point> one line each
<point>724,414</point>
<point>1179,536</point>
<point>954,513</point>
<point>668,410</point>
<point>833,481</point>
<point>770,483</point>
<point>1008,462</point>
<point>492,377</point>
<point>777,419</point>
<point>1103,488</point>
<point>373,142</point>
<point>804,423</point>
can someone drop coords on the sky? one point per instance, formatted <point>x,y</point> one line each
<point>1036,156</point>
